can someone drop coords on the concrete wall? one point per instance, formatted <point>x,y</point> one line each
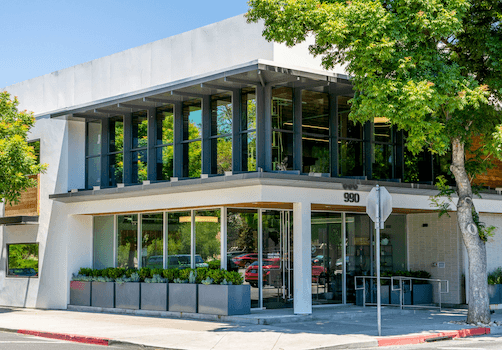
<point>440,241</point>
<point>494,244</point>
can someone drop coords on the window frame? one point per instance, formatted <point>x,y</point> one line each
<point>8,275</point>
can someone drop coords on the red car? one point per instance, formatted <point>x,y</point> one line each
<point>245,260</point>
<point>251,274</point>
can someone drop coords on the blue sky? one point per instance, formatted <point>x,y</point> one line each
<point>40,37</point>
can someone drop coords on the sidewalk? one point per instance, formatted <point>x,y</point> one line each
<point>327,328</point>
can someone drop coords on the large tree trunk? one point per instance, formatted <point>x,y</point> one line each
<point>479,307</point>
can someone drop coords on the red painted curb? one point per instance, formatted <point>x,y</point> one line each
<point>416,339</point>
<point>67,337</point>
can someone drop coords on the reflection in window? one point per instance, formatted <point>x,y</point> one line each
<point>207,236</point>
<point>249,151</point>
<point>22,260</point>
<point>152,241</point>
<point>93,159</point>
<point>192,153</point>
<point>139,166</point>
<point>164,142</point>
<point>221,131</point>
<point>93,171</point>
<point>127,241</point>
<point>116,147</point>
<point>417,167</point>
<point>116,128</point>
<point>93,138</point>
<point>192,119</point>
<point>179,226</point>
<point>165,159</point>
<point>350,154</point>
<point>282,150</point>
<point>139,129</point>
<point>382,161</point>
<point>242,246</point>
<point>223,147</point>
<point>315,154</point>
<point>116,163</point>
<point>282,108</point>
<point>103,241</point>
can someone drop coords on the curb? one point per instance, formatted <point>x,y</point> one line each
<point>416,339</point>
<point>66,337</point>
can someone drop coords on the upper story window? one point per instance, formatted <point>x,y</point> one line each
<point>350,142</point>
<point>139,146</point>
<point>383,144</point>
<point>282,128</point>
<point>93,153</point>
<point>116,151</point>
<point>192,133</point>
<point>221,133</point>
<point>164,141</point>
<point>315,132</point>
<point>248,129</point>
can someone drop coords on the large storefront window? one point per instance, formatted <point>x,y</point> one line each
<point>152,240</point>
<point>179,226</point>
<point>207,236</point>
<point>127,241</point>
<point>102,240</point>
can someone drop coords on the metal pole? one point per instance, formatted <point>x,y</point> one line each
<point>377,253</point>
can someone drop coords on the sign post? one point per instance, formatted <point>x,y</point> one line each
<point>378,208</point>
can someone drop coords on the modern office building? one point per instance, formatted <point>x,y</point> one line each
<point>218,145</point>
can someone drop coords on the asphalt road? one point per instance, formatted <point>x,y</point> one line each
<point>471,343</point>
<point>14,341</point>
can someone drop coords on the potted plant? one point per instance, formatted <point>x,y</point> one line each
<point>103,289</point>
<point>127,291</point>
<point>495,286</point>
<point>222,293</point>
<point>80,288</point>
<point>183,292</point>
<point>154,293</point>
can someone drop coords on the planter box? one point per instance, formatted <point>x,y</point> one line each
<point>371,297</point>
<point>183,297</point>
<point>103,294</point>
<point>394,296</point>
<point>80,293</point>
<point>154,296</point>
<point>495,293</point>
<point>422,294</point>
<point>127,295</point>
<point>224,299</point>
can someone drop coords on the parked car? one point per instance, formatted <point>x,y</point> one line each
<point>182,261</point>
<point>251,274</point>
<point>245,260</point>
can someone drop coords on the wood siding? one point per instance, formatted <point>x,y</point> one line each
<point>29,203</point>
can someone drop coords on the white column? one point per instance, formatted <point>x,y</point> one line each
<point>302,265</point>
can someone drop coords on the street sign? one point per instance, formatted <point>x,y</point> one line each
<point>385,205</point>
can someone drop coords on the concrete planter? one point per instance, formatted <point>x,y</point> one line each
<point>394,296</point>
<point>371,297</point>
<point>183,297</point>
<point>80,293</point>
<point>127,295</point>
<point>495,293</point>
<point>154,296</point>
<point>422,294</point>
<point>225,300</point>
<point>103,294</point>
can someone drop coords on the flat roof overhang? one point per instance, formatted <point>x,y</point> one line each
<point>19,220</point>
<point>258,72</point>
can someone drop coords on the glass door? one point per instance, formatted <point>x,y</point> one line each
<point>277,259</point>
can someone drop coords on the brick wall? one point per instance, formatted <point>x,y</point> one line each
<point>440,241</point>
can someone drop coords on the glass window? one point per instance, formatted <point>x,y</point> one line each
<point>315,113</point>
<point>327,258</point>
<point>116,163</point>
<point>350,155</point>
<point>221,114</point>
<point>249,151</point>
<point>248,109</point>
<point>282,150</point>
<point>346,127</point>
<point>282,108</point>
<point>382,161</point>
<point>417,167</point>
<point>441,166</point>
<point>139,166</point>
<point>382,130</point>
<point>192,119</point>
<point>139,129</point>
<point>22,260</point>
<point>93,138</point>
<point>103,242</point>
<point>223,148</point>
<point>165,158</point>
<point>192,153</point>
<point>152,240</point>
<point>242,247</point>
<point>127,241</point>
<point>116,129</point>
<point>315,154</point>
<point>165,125</point>
<point>207,236</point>
<point>179,226</point>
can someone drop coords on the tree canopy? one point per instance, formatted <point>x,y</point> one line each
<point>17,158</point>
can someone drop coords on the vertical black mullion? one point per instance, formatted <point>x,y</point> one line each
<point>178,137</point>
<point>152,138</point>
<point>333,134</point>
<point>368,154</point>
<point>206,133</point>
<point>127,148</point>
<point>236,130</point>
<point>105,160</point>
<point>297,129</point>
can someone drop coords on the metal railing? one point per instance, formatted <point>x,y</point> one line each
<point>402,282</point>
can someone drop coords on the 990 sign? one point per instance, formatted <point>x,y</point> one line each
<point>351,197</point>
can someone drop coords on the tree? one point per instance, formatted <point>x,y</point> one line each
<point>17,158</point>
<point>433,68</point>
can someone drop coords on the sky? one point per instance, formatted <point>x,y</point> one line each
<point>40,37</point>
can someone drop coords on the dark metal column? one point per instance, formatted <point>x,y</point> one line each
<point>152,136</point>
<point>297,129</point>
<point>206,133</point>
<point>178,137</point>
<point>264,127</point>
<point>333,134</point>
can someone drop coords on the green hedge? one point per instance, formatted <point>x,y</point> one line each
<point>202,273</point>
<point>495,277</point>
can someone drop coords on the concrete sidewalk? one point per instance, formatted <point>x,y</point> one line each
<point>327,328</point>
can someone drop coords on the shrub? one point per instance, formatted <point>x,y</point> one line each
<point>85,271</point>
<point>145,272</point>
<point>495,277</point>
<point>171,274</point>
<point>214,264</point>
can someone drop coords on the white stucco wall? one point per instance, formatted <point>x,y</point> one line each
<point>494,244</point>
